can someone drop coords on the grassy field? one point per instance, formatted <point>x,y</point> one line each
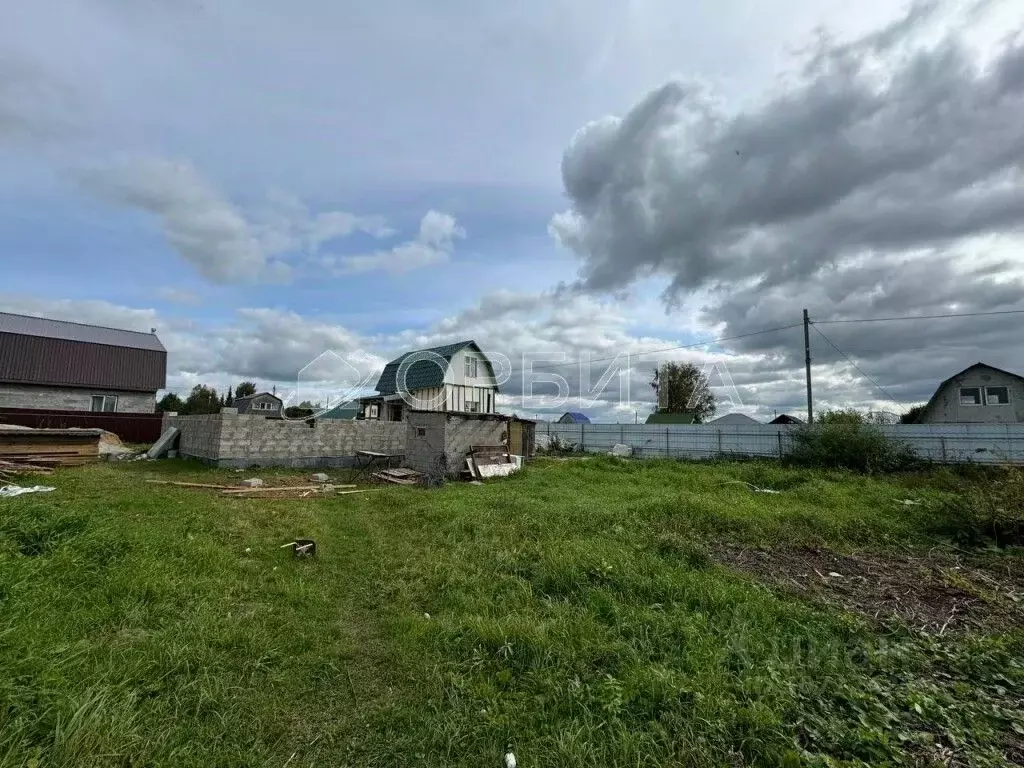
<point>590,612</point>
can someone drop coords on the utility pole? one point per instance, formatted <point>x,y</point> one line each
<point>807,363</point>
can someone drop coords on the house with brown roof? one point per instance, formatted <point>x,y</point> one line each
<point>59,365</point>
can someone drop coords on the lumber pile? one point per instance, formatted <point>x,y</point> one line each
<point>484,461</point>
<point>49,447</point>
<point>398,476</point>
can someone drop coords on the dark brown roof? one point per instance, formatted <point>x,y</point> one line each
<point>36,350</point>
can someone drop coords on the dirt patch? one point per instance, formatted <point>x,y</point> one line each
<point>934,594</point>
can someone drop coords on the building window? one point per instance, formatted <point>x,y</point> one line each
<point>471,367</point>
<point>997,395</point>
<point>104,403</point>
<point>970,395</point>
<point>374,412</point>
<point>473,406</point>
<point>264,406</point>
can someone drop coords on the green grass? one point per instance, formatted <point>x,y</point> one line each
<point>574,610</point>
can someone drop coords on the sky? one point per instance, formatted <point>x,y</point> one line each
<point>561,180</point>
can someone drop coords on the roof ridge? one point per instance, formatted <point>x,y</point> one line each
<point>75,322</point>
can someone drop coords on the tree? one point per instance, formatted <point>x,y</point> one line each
<point>202,399</point>
<point>849,416</point>
<point>913,416</point>
<point>683,388</point>
<point>170,403</point>
<point>245,389</point>
<point>230,399</point>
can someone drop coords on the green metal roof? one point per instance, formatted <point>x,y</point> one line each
<point>670,418</point>
<point>344,411</point>
<point>423,373</point>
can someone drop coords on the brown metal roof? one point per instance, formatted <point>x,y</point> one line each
<point>59,353</point>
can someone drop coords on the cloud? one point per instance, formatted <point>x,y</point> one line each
<point>882,179</point>
<point>892,143</point>
<point>202,226</point>
<point>433,245</point>
<point>223,243</point>
<point>34,104</point>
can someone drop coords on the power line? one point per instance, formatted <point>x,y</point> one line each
<point>857,367</point>
<point>677,347</point>
<point>920,317</point>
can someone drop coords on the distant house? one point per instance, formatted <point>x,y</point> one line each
<point>734,420</point>
<point>59,365</point>
<point>785,418</point>
<point>978,394</point>
<point>260,404</point>
<point>573,417</point>
<point>344,411</point>
<point>669,418</point>
<point>456,378</point>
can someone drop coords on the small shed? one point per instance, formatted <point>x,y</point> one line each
<point>260,404</point>
<point>661,417</point>
<point>573,417</point>
<point>785,418</point>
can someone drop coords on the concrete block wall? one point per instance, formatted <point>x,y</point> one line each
<point>425,443</point>
<point>233,439</point>
<point>464,432</point>
<point>72,398</point>
<point>200,435</point>
<point>437,443</point>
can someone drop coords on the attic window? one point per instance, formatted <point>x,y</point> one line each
<point>970,395</point>
<point>997,395</point>
<point>470,367</point>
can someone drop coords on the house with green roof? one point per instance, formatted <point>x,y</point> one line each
<point>455,378</point>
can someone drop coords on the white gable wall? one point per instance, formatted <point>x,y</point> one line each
<point>456,373</point>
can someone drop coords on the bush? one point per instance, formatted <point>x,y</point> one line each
<point>559,447</point>
<point>988,511</point>
<point>850,445</point>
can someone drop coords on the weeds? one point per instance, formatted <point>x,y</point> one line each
<point>844,445</point>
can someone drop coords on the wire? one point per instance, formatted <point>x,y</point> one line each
<point>680,346</point>
<point>858,368</point>
<point>920,317</point>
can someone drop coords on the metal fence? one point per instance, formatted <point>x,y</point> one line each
<point>130,427</point>
<point>944,443</point>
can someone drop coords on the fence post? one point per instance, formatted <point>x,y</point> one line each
<point>942,442</point>
<point>719,441</point>
<point>779,436</point>
<point>622,434</point>
<point>583,442</point>
<point>666,443</point>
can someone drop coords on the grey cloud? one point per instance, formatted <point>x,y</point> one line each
<point>34,103</point>
<point>845,161</point>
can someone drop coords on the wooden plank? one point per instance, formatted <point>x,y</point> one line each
<point>188,485</point>
<point>273,489</point>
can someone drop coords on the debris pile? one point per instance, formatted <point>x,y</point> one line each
<point>49,447</point>
<point>399,476</point>
<point>484,461</point>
